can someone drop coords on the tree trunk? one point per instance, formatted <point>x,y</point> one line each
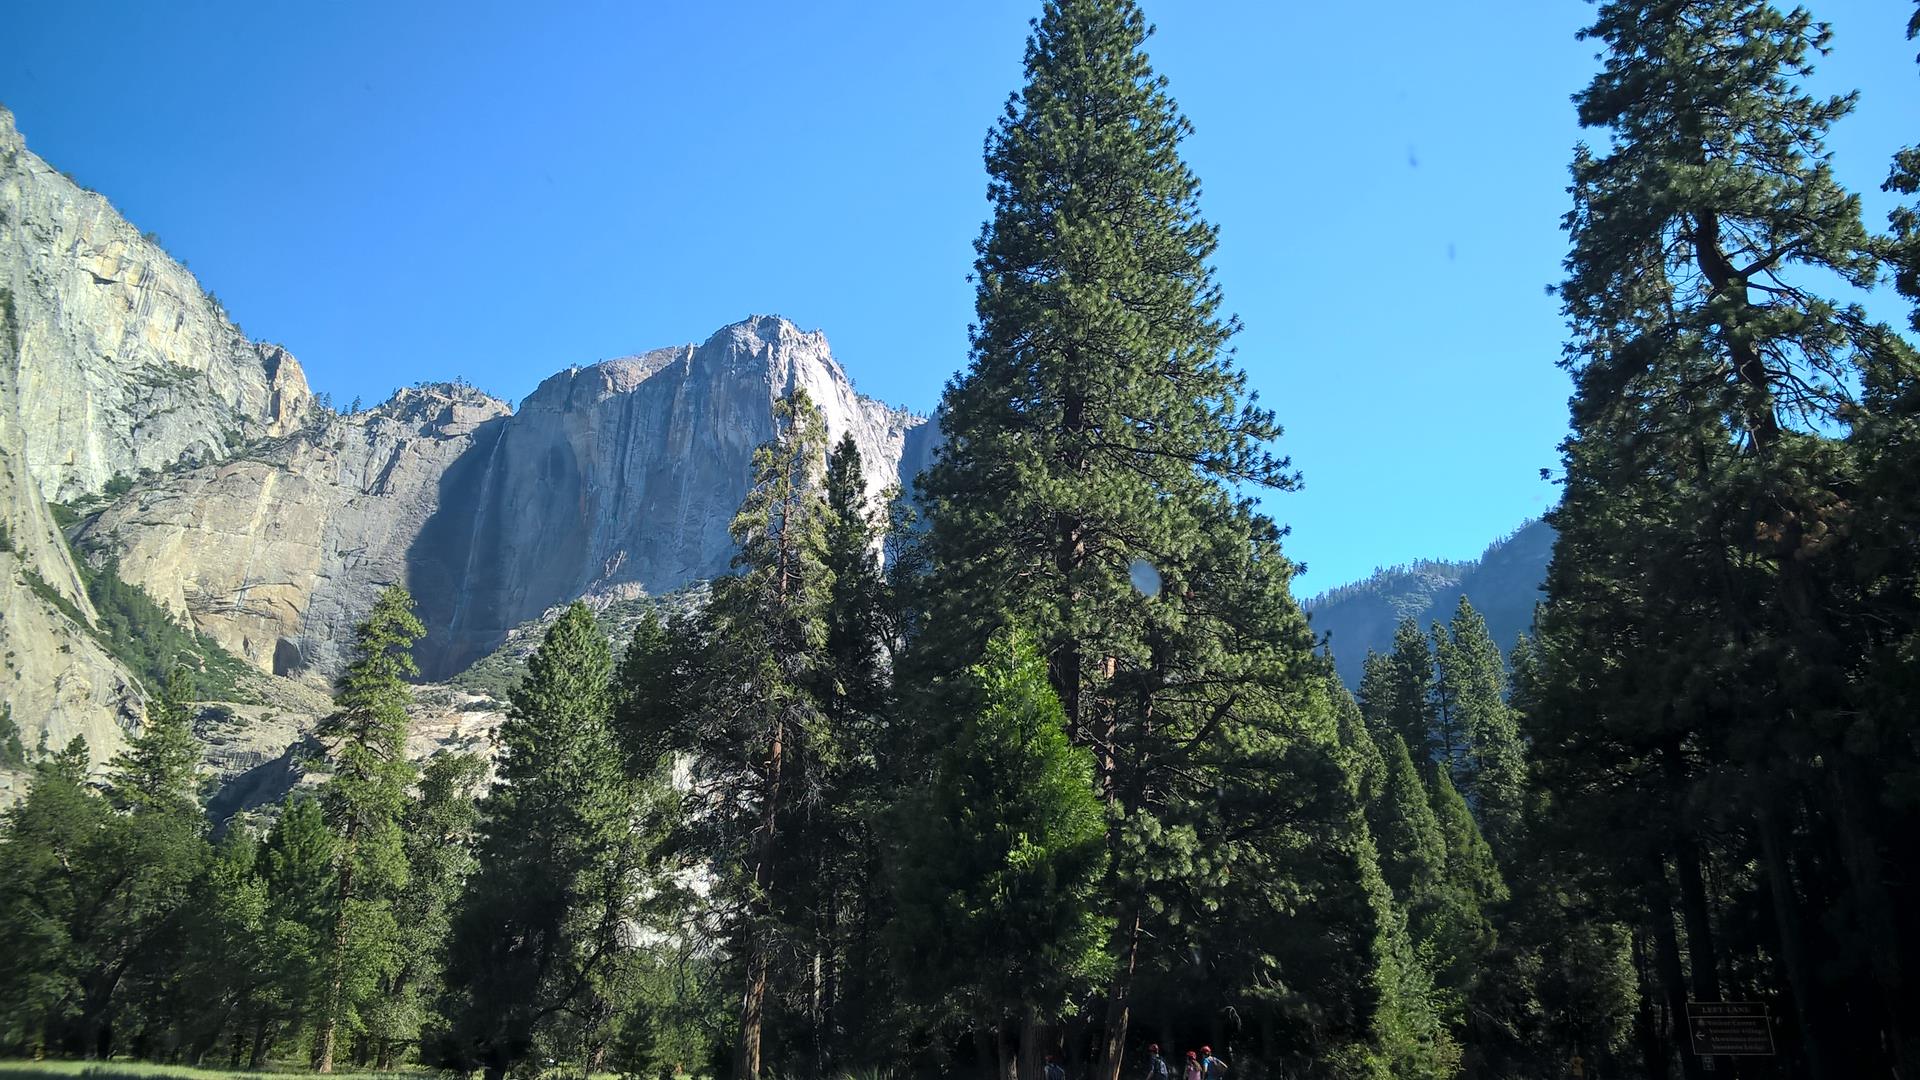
<point>1793,953</point>
<point>1703,959</point>
<point>753,1002</point>
<point>1119,994</point>
<point>752,1012</point>
<point>983,1052</point>
<point>336,964</point>
<point>1032,1045</point>
<point>1653,1050</point>
<point>259,1055</point>
<point>1002,1052</point>
<point>1866,873</point>
<point>1673,978</point>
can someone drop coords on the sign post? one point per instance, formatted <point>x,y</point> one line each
<point>1730,1029</point>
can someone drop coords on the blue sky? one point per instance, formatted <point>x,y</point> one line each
<point>409,191</point>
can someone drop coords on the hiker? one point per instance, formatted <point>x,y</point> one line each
<point>1156,1065</point>
<point>1211,1068</point>
<point>1192,1071</point>
<point>1053,1071</point>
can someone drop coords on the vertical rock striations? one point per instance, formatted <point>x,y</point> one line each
<point>272,523</point>
<point>124,364</point>
<point>277,553</point>
<point>623,477</point>
<point>612,480</point>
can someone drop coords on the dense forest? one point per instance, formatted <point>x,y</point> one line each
<point>1048,763</point>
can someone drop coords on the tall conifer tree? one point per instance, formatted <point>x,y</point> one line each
<point>1702,635</point>
<point>1490,768</point>
<point>365,798</point>
<point>1101,421</point>
<point>999,880</point>
<point>763,739</point>
<point>562,861</point>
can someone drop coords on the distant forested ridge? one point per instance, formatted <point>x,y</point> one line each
<point>1503,585</point>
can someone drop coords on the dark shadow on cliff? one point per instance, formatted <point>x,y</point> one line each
<point>445,553</point>
<point>507,541</point>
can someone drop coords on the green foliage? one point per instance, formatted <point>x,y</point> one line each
<point>1101,421</point>
<point>437,831</point>
<point>299,870</point>
<point>147,639</point>
<point>91,887</point>
<point>764,739</point>
<point>13,753</point>
<point>365,798</point>
<point>1413,854</point>
<point>1396,693</point>
<point>1715,663</point>
<point>1005,855</point>
<point>560,852</point>
<point>158,772</point>
<point>1489,760</point>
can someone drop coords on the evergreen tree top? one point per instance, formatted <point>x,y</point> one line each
<point>1693,228</point>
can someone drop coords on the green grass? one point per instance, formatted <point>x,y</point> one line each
<point>141,1070</point>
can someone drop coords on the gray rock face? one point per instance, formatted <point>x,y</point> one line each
<point>55,679</point>
<point>278,553</point>
<point>124,363</point>
<point>612,480</point>
<point>622,477</point>
<point>272,524</point>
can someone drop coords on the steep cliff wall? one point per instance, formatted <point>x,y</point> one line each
<point>612,480</point>
<point>278,553</point>
<point>272,524</point>
<point>55,679</point>
<point>124,363</point>
<point>623,477</point>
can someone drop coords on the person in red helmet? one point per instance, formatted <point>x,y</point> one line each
<point>1156,1065</point>
<point>1211,1068</point>
<point>1192,1071</point>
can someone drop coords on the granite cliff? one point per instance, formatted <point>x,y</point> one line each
<point>124,364</point>
<point>621,478</point>
<point>114,364</point>
<point>612,481</point>
<point>202,470</point>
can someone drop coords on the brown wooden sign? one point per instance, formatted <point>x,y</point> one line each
<point>1730,1028</point>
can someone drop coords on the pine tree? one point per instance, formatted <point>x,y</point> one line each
<point>1704,629</point>
<point>299,867</point>
<point>1459,929</point>
<point>1409,1030</point>
<point>1412,850</point>
<point>437,838</point>
<point>562,861</point>
<point>45,864</point>
<point>1004,858</point>
<point>365,799</point>
<point>221,977</point>
<point>851,995</point>
<point>764,742</point>
<point>1101,421</point>
<point>1490,768</point>
<point>1904,179</point>
<point>158,772</point>
<point>1396,693</point>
